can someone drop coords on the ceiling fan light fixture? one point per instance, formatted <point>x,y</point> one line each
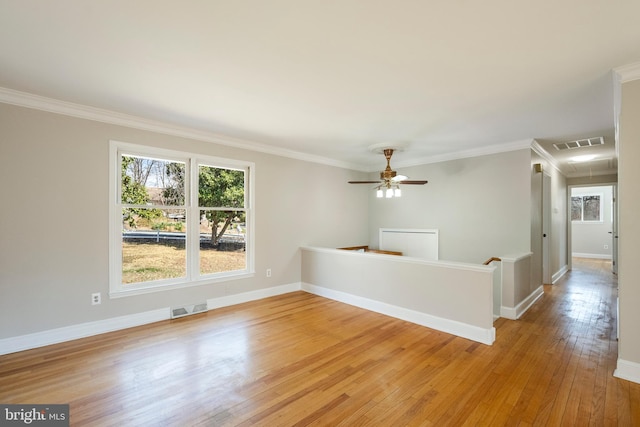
<point>389,184</point>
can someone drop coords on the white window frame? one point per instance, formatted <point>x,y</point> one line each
<point>582,220</point>
<point>193,277</point>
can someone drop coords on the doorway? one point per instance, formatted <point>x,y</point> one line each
<point>546,229</point>
<point>593,225</point>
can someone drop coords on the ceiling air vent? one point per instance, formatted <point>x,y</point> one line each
<point>580,143</point>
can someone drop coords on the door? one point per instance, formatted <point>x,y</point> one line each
<point>546,227</point>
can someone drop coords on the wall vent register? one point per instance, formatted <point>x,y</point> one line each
<point>188,310</point>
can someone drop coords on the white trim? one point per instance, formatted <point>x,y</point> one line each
<point>592,256</point>
<point>82,330</point>
<point>234,299</point>
<point>23,99</point>
<point>515,258</point>
<point>537,148</point>
<point>582,195</point>
<point>626,370</point>
<point>406,259</point>
<point>147,289</point>
<point>508,313</point>
<point>28,100</point>
<point>516,312</point>
<point>192,161</point>
<point>627,73</point>
<point>622,74</point>
<point>592,174</point>
<point>465,154</point>
<point>558,274</point>
<point>484,336</point>
<point>617,106</point>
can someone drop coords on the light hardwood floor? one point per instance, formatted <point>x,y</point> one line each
<point>299,359</point>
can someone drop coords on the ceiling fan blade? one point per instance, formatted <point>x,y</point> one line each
<point>389,178</point>
<point>399,178</point>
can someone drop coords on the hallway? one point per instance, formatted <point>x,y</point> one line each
<point>568,340</point>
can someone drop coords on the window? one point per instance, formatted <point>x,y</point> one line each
<point>177,219</point>
<point>586,208</point>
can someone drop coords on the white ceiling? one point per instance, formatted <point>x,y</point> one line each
<point>332,77</point>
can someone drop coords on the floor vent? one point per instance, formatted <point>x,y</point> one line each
<point>187,310</point>
<point>589,142</point>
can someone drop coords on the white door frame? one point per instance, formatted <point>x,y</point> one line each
<point>546,229</point>
<point>614,247</point>
<point>614,229</point>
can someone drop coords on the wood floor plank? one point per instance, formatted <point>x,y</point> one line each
<point>299,359</point>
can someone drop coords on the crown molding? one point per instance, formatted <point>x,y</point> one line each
<point>622,74</point>
<point>536,147</point>
<point>28,100</point>
<point>601,173</point>
<point>465,154</point>
<point>627,73</point>
<point>37,102</point>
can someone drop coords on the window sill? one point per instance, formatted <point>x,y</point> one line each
<point>121,293</point>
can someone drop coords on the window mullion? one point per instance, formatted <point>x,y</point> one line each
<point>193,255</point>
<point>162,214</point>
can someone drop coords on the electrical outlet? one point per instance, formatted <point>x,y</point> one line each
<point>606,246</point>
<point>96,298</point>
<point>268,272</point>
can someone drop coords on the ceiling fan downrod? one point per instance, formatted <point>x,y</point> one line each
<point>388,174</point>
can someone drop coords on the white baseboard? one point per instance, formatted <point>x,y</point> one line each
<point>481,335</point>
<point>68,333</point>
<point>558,275</point>
<point>594,256</point>
<point>234,299</point>
<point>629,371</point>
<point>82,330</point>
<point>514,313</point>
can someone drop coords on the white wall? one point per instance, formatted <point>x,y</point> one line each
<point>588,239</point>
<point>451,297</point>
<point>536,218</point>
<point>517,293</point>
<point>54,246</point>
<point>480,206</point>
<point>54,221</point>
<point>558,228</point>
<point>629,231</point>
<point>559,250</point>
